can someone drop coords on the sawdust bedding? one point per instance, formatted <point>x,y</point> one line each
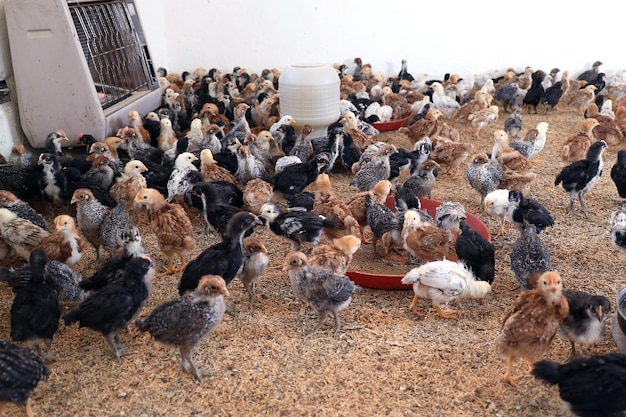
<point>384,361</point>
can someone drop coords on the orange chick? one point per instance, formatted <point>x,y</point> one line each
<point>575,147</point>
<point>329,205</point>
<point>530,325</point>
<point>336,256</point>
<point>171,226</point>
<point>451,155</point>
<point>129,183</point>
<point>426,126</point>
<point>507,156</point>
<point>256,193</point>
<point>482,100</point>
<point>424,241</point>
<point>135,121</point>
<point>65,243</point>
<point>350,125</point>
<point>211,171</point>
<point>167,137</point>
<point>608,128</point>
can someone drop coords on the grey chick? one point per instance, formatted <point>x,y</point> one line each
<point>529,257</point>
<point>23,210</point>
<point>303,148</point>
<point>381,220</point>
<point>65,281</point>
<point>379,168</point>
<point>255,263</point>
<point>483,175</point>
<point>586,321</point>
<point>449,216</point>
<point>423,179</point>
<point>513,123</point>
<point>317,286</point>
<point>184,321</point>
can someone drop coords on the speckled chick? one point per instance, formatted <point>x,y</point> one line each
<point>484,174</point>
<point>22,208</point>
<point>529,257</point>
<point>184,321</point>
<point>377,169</point>
<point>423,179</point>
<point>21,234</point>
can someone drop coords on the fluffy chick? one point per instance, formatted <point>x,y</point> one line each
<point>22,208</point>
<point>377,169</point>
<point>451,155</point>
<point>444,281</point>
<point>21,369</point>
<point>523,209</point>
<point>109,310</point>
<point>331,206</point>
<point>618,228</point>
<point>20,234</point>
<point>529,257</point>
<point>481,118</point>
<point>336,256</point>
<point>531,323</point>
<point>423,180</point>
<point>184,321</point>
<point>586,321</point>
<point>484,174</point>
<point>589,386</point>
<point>496,205</point>
<point>255,264</point>
<point>171,226</point>
<point>576,145</point>
<point>324,291</point>
<point>476,251</point>
<point>65,243</point>
<point>424,241</point>
<point>129,183</point>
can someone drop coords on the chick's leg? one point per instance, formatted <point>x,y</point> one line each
<point>446,314</point>
<point>183,263</point>
<point>186,353</point>
<point>170,267</point>
<point>413,306</point>
<point>507,374</point>
<point>29,410</point>
<point>320,322</point>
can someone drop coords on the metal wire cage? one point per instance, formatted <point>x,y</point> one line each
<point>117,60</point>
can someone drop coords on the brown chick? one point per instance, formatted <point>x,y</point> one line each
<point>356,203</point>
<point>65,243</point>
<point>350,125</point>
<point>129,183</point>
<point>210,114</point>
<point>135,121</point>
<point>575,147</point>
<point>530,325</point>
<point>512,179</point>
<point>211,171</point>
<point>167,137</point>
<point>114,143</point>
<point>256,193</point>
<point>20,234</point>
<point>336,256</point>
<point>451,155</point>
<point>254,264</point>
<point>481,118</point>
<point>329,205</point>
<point>507,156</point>
<point>426,126</point>
<point>424,241</point>
<point>171,226</point>
<point>449,132</point>
<point>482,100</point>
<point>184,321</point>
<point>581,99</point>
<point>608,129</point>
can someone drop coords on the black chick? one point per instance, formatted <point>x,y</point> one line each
<point>20,180</point>
<point>552,95</point>
<point>580,176</point>
<point>618,173</point>
<point>303,201</point>
<point>215,212</point>
<point>476,252</point>
<point>524,209</point>
<point>587,318</point>
<point>53,141</point>
<point>87,140</point>
<point>536,90</point>
<point>20,372</point>
<point>51,182</point>
<point>590,74</point>
<point>294,178</point>
<point>183,322</point>
<point>109,310</point>
<point>75,181</point>
<point>288,138</point>
<point>349,153</point>
<point>381,220</point>
<point>224,258</point>
<point>35,310</point>
<point>113,269</point>
<point>529,257</point>
<point>300,227</point>
<point>592,386</point>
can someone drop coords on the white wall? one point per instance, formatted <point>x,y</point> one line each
<point>435,38</point>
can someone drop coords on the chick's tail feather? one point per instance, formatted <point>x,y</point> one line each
<point>547,371</point>
<point>326,222</point>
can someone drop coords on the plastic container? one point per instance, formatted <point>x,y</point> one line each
<point>310,94</point>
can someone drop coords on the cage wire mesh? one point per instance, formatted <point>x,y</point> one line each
<point>112,49</point>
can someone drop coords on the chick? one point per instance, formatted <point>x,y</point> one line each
<point>171,226</point>
<point>591,386</point>
<point>129,183</point>
<point>256,193</point>
<point>35,310</point>
<point>586,320</point>
<point>581,99</point>
<point>424,241</point>
<point>381,220</point>
<point>476,251</point>
<point>336,256</point>
<point>426,126</point>
<point>529,257</point>
<point>523,209</point>
<point>618,228</point>
<point>109,310</point>
<point>449,215</point>
<point>496,205</point>
<point>576,145</point>
<point>618,326</point>
<point>451,155</point>
<point>22,208</point>
<point>176,184</point>
<point>211,171</point>
<point>300,227</point>
<point>618,173</point>
<point>484,174</point>
<point>20,234</point>
<point>328,204</point>
<point>442,282</point>
<point>377,169</point>
<point>293,179</point>
<point>65,244</point>
<point>481,118</point>
<point>423,179</point>
<point>255,264</point>
<point>531,323</point>
<point>183,322</point>
<point>579,177</point>
<point>324,291</point>
<point>20,372</point>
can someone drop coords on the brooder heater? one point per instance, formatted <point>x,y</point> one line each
<point>79,66</point>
